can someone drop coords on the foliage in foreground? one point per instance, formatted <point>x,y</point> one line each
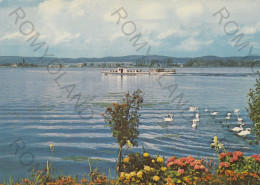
<point>254,107</point>
<point>233,169</point>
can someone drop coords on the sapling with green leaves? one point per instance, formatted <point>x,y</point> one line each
<point>123,120</point>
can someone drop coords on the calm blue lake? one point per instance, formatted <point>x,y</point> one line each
<point>36,110</point>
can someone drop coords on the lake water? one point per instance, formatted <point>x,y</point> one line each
<point>36,111</point>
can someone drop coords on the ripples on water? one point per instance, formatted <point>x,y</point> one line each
<point>34,107</point>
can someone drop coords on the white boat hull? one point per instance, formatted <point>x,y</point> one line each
<point>123,71</point>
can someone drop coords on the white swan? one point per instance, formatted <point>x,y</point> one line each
<point>214,113</point>
<point>236,110</point>
<point>193,109</point>
<point>229,114</point>
<point>239,119</point>
<point>227,118</point>
<point>197,115</point>
<point>196,120</point>
<point>168,118</point>
<point>244,132</point>
<point>206,109</point>
<point>237,129</point>
<point>194,124</point>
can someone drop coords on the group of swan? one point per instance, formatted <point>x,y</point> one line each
<point>241,132</point>
<point>197,119</point>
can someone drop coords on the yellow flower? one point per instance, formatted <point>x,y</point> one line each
<point>52,147</point>
<point>133,174</point>
<point>179,181</point>
<point>147,168</point>
<point>152,169</point>
<point>129,144</point>
<point>139,174</point>
<point>159,159</point>
<point>215,139</point>
<point>126,160</point>
<point>122,174</point>
<point>153,161</point>
<point>156,178</point>
<point>163,169</point>
<point>146,154</point>
<point>127,176</point>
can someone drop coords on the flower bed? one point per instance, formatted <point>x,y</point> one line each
<point>233,169</point>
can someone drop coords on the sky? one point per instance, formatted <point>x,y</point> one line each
<point>100,28</point>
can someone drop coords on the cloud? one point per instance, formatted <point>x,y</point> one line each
<point>187,11</point>
<point>10,36</point>
<point>168,33</point>
<point>188,26</point>
<point>191,44</point>
<point>251,29</point>
<point>65,37</point>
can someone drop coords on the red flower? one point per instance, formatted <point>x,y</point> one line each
<point>196,167</point>
<point>231,160</point>
<point>206,170</point>
<point>227,164</point>
<point>235,158</point>
<point>254,156</point>
<point>181,171</point>
<point>190,158</point>
<point>222,155</point>
<point>202,167</point>
<point>238,153</point>
<point>170,159</point>
<point>229,153</point>
<point>224,164</point>
<point>170,163</point>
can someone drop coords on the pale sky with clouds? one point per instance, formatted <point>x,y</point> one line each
<point>85,28</point>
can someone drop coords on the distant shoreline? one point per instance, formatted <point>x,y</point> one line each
<point>131,67</point>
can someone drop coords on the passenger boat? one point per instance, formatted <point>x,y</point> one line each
<point>162,71</point>
<point>124,71</point>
